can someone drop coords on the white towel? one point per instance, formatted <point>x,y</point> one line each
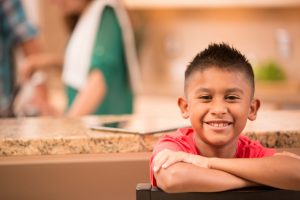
<point>81,44</point>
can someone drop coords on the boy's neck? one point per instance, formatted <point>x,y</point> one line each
<point>207,150</point>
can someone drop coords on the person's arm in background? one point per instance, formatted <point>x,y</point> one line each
<point>281,171</point>
<point>36,59</point>
<point>31,46</point>
<point>89,97</point>
<point>31,75</point>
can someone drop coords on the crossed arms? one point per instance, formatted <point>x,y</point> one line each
<point>183,172</point>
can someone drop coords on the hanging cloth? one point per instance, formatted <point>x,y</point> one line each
<point>81,44</point>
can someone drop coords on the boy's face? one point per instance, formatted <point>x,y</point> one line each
<point>218,103</point>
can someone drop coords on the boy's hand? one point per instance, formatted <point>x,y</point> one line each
<point>166,158</point>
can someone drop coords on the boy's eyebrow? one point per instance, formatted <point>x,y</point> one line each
<point>235,90</point>
<point>230,90</point>
<point>201,89</point>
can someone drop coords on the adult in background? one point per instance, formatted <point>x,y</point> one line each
<point>100,68</point>
<point>15,32</point>
<point>23,90</point>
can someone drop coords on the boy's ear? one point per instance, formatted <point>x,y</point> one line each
<point>254,106</point>
<point>183,105</point>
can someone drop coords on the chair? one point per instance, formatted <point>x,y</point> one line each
<point>144,191</point>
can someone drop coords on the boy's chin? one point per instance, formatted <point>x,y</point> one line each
<point>220,140</point>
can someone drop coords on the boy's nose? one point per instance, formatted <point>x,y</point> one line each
<point>218,108</point>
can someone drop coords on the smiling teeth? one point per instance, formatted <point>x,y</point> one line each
<point>218,124</point>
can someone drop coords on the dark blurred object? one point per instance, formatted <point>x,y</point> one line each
<point>9,111</point>
<point>144,191</point>
<point>71,21</point>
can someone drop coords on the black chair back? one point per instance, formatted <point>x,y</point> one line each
<point>144,191</point>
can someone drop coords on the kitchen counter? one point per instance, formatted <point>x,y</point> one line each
<point>52,136</point>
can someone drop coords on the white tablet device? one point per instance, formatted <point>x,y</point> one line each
<point>142,125</point>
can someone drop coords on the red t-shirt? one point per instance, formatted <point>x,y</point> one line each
<point>183,140</point>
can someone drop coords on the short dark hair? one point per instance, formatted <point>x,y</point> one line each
<point>220,56</point>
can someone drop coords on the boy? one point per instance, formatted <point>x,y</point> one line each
<point>219,98</point>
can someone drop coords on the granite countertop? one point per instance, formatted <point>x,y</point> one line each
<point>47,136</point>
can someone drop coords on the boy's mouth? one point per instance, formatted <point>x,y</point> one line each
<point>218,124</point>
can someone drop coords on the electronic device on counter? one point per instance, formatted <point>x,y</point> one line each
<point>142,125</point>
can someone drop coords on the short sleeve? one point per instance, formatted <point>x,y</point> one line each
<point>164,143</point>
<point>178,141</point>
<point>252,149</point>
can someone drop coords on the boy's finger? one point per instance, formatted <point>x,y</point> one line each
<point>159,162</point>
<point>171,160</point>
<point>160,155</point>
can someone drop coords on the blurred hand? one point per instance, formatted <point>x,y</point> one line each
<point>35,62</point>
<point>26,70</point>
<point>166,158</point>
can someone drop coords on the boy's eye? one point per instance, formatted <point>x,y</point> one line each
<point>232,97</point>
<point>205,97</point>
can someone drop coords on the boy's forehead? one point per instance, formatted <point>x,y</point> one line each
<point>213,71</point>
<point>215,76</point>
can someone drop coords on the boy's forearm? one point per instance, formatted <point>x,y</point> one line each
<point>276,171</point>
<point>185,177</point>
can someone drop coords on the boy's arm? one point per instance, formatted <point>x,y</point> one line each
<point>281,171</point>
<point>174,173</point>
<point>185,175</point>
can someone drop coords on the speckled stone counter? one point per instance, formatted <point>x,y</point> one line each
<point>48,136</point>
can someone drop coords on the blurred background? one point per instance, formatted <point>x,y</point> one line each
<point>170,33</point>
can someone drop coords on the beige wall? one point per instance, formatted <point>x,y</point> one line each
<point>54,36</point>
<point>52,27</point>
<point>171,38</point>
<point>168,39</point>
